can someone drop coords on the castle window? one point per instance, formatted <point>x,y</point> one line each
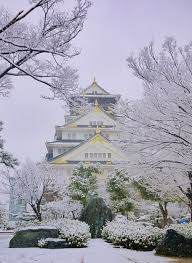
<point>69,135</point>
<point>100,123</point>
<point>99,155</point>
<point>73,135</point>
<point>95,123</point>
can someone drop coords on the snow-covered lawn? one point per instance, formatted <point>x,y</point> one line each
<point>98,251</point>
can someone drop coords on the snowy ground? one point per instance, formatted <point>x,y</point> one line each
<point>98,251</point>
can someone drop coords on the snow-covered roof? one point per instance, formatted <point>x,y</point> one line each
<point>94,88</point>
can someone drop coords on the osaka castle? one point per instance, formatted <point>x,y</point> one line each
<point>90,137</point>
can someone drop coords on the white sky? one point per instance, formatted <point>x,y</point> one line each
<point>114,29</point>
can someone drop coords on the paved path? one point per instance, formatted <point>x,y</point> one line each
<point>98,251</point>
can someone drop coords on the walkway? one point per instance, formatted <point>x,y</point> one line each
<point>98,251</point>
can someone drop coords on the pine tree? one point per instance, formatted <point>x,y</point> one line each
<point>83,183</point>
<point>118,188</point>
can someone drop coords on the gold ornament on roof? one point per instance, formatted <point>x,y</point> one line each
<point>98,130</point>
<point>96,106</point>
<point>96,103</point>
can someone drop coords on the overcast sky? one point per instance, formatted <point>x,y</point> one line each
<point>114,29</point>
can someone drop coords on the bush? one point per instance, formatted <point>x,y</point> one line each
<point>74,232</point>
<point>177,241</point>
<point>96,214</point>
<point>128,234</point>
<point>185,229</point>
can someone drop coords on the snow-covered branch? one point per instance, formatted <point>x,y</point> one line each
<point>41,51</point>
<point>158,126</point>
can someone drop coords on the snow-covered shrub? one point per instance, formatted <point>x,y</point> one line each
<point>65,208</point>
<point>133,235</point>
<point>183,229</point>
<point>74,232</point>
<point>27,224</point>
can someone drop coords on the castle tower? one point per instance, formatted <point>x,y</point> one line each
<point>89,137</point>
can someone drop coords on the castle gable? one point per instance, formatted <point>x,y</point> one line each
<point>96,149</point>
<point>94,88</point>
<point>96,117</point>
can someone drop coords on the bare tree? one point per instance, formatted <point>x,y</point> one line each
<point>41,51</point>
<point>159,125</point>
<point>31,183</point>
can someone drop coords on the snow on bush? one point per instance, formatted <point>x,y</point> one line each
<point>74,232</point>
<point>42,242</point>
<point>183,229</point>
<point>133,235</point>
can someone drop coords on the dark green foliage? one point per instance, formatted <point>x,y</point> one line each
<point>30,237</point>
<point>175,245</point>
<point>123,206</point>
<point>118,188</point>
<point>140,246</point>
<point>83,183</point>
<point>96,214</point>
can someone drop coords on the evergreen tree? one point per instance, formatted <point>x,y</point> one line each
<point>96,214</point>
<point>6,158</point>
<point>118,188</point>
<point>83,183</point>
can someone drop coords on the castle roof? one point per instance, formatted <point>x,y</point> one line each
<point>95,109</point>
<point>94,88</point>
<point>96,139</point>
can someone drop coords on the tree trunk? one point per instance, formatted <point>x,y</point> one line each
<point>39,216</point>
<point>190,210</point>
<point>164,211</point>
<point>37,211</point>
<point>189,194</point>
